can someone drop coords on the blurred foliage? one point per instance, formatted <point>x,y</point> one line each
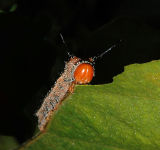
<point>8,143</point>
<point>8,6</point>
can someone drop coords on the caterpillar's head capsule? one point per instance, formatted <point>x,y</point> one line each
<point>84,73</point>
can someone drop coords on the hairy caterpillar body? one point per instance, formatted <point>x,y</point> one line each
<point>62,86</point>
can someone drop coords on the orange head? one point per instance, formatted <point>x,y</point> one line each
<point>83,73</point>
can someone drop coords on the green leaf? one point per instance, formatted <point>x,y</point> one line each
<point>8,142</point>
<point>122,115</point>
<point>2,11</point>
<point>13,8</point>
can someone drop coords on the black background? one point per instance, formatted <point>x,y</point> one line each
<point>33,54</point>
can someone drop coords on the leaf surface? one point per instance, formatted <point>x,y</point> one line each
<point>122,115</point>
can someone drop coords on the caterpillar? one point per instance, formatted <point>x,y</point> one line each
<point>75,72</point>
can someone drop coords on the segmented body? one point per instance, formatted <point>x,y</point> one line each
<point>57,93</point>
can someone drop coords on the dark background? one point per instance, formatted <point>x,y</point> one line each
<point>33,54</point>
